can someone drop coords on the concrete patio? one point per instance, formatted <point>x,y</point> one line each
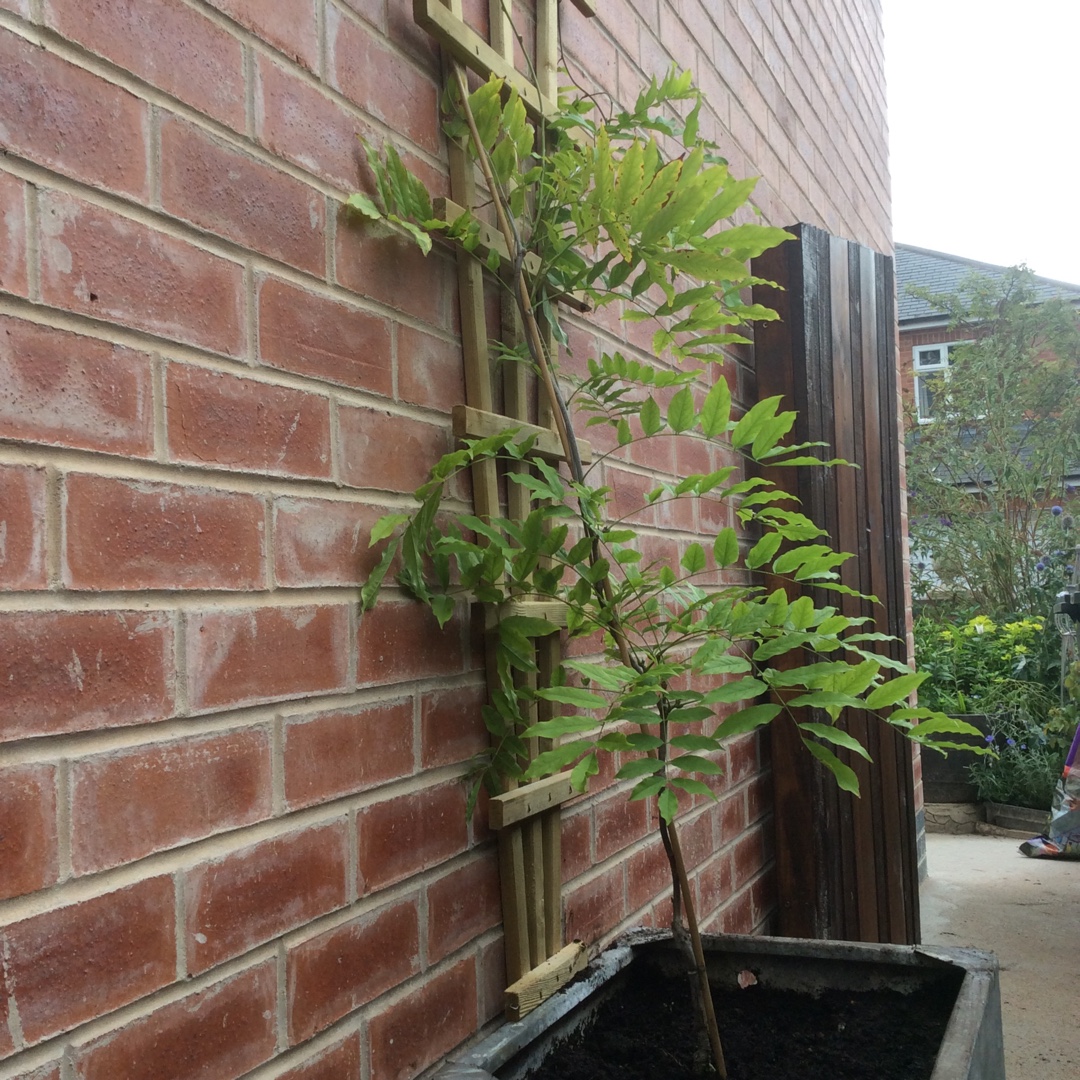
<point>982,892</point>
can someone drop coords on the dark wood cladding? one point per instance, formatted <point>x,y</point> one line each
<point>846,867</point>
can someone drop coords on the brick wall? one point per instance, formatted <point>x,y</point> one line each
<point>232,829</point>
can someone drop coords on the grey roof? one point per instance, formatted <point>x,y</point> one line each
<point>943,273</point>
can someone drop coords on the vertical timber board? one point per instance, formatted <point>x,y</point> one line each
<point>847,868</point>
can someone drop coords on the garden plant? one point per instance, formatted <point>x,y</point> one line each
<point>634,209</point>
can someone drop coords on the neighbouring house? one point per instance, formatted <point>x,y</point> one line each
<point>233,838</point>
<point>925,334</point>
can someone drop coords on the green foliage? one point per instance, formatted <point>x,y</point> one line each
<point>1025,768</point>
<point>987,471</point>
<point>603,212</point>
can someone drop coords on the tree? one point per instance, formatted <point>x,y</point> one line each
<point>988,475</point>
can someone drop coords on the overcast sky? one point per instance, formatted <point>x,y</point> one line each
<point>984,104</point>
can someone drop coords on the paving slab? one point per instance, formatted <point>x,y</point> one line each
<point>981,892</point>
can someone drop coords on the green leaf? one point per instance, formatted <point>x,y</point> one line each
<point>443,608</point>
<point>385,526</point>
<point>763,550</point>
<point>607,676</point>
<point>746,430</point>
<point>695,742</point>
<point>845,776</point>
<point>649,417</point>
<point>826,699</point>
<point>645,766</point>
<point>681,410</point>
<point>359,202</point>
<point>668,804</point>
<point>738,690</point>
<point>370,590</point>
<point>692,786</point>
<point>693,560</point>
<point>716,411</point>
<point>572,695</point>
<point>558,726</point>
<point>553,761</point>
<point>837,737</point>
<point>746,720</point>
<point>579,775</point>
<point>647,787</point>
<point>695,764</point>
<point>527,626</point>
<point>895,690</point>
<point>726,547</point>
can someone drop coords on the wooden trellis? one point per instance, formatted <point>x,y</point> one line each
<point>527,817</point>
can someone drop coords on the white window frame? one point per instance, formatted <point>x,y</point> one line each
<point>932,370</point>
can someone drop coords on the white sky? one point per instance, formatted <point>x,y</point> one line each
<point>984,103</point>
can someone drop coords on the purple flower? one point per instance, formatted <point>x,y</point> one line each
<point>1040,565</point>
<point>946,521</point>
<point>1023,746</point>
<point>1056,511</point>
<point>989,738</point>
<point>1010,742</point>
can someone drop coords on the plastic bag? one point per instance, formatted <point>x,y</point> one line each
<point>1062,837</point>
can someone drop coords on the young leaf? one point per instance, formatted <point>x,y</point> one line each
<point>746,720</point>
<point>693,560</point>
<point>716,412</point>
<point>668,804</point>
<point>649,417</point>
<point>385,526</point>
<point>579,775</point>
<point>359,202</point>
<point>681,410</point>
<point>695,764</point>
<point>572,695</point>
<point>895,690</point>
<point>845,776</point>
<point>763,550</point>
<point>837,737</point>
<point>645,766</point>
<point>726,547</point>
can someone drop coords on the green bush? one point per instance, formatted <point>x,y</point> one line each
<point>1025,770</point>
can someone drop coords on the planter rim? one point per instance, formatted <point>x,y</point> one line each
<point>979,983</point>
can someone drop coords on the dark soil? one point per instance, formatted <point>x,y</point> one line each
<point>647,1032</point>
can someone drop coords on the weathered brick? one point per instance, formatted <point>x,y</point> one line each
<point>307,127</point>
<point>28,839</point>
<point>462,905</point>
<point>400,836</point>
<point>12,235</point>
<point>576,843</point>
<point>220,420</point>
<point>648,875</point>
<point>619,822</point>
<point>169,44</point>
<point>391,453</point>
<point>129,803</point>
<point>292,27</point>
<point>98,263</point>
<point>749,856</point>
<point>344,968</point>
<point>596,906</point>
<point>394,271</point>
<point>381,81</point>
<point>132,534</point>
<point>22,527</point>
<point>340,1062</point>
<point>451,727</point>
<point>220,189</point>
<point>399,641</point>
<point>69,390</point>
<point>76,671</point>
<point>430,370</point>
<point>412,1033</point>
<point>77,962</point>
<point>312,335</point>
<point>323,541</point>
<point>259,654</point>
<point>339,753</point>
<point>251,896</point>
<point>220,1032</point>
<point>65,118</point>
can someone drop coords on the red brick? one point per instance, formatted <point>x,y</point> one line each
<point>451,727</point>
<point>12,235</point>
<point>20,7</point>
<point>7,1041</point>
<point>594,907</point>
<point>323,541</point>
<point>390,453</point>
<point>341,753</point>
<point>462,905</point>
<point>259,893</point>
<point>619,822</point>
<point>391,269</point>
<point>344,968</point>
<point>491,967</point>
<point>259,654</point>
<point>77,671</point>
<point>220,189</point>
<point>289,27</point>
<point>742,758</point>
<point>221,1032</point>
<point>749,857</point>
<point>169,44</point>
<point>63,117</point>
<point>312,335</point>
<point>111,267</point>
<point>738,916</point>
<point>129,803</point>
<point>81,961</point>
<point>22,524</point>
<point>399,641</point>
<point>223,421</point>
<point>132,534</point>
<point>576,844</point>
<point>648,876</point>
<point>412,1033</point>
<point>27,829</point>
<point>382,81</point>
<point>430,370</point>
<point>409,833</point>
<point>296,121</point>
<point>341,1062</point>
<point>70,390</point>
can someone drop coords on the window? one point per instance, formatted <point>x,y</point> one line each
<point>931,363</point>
